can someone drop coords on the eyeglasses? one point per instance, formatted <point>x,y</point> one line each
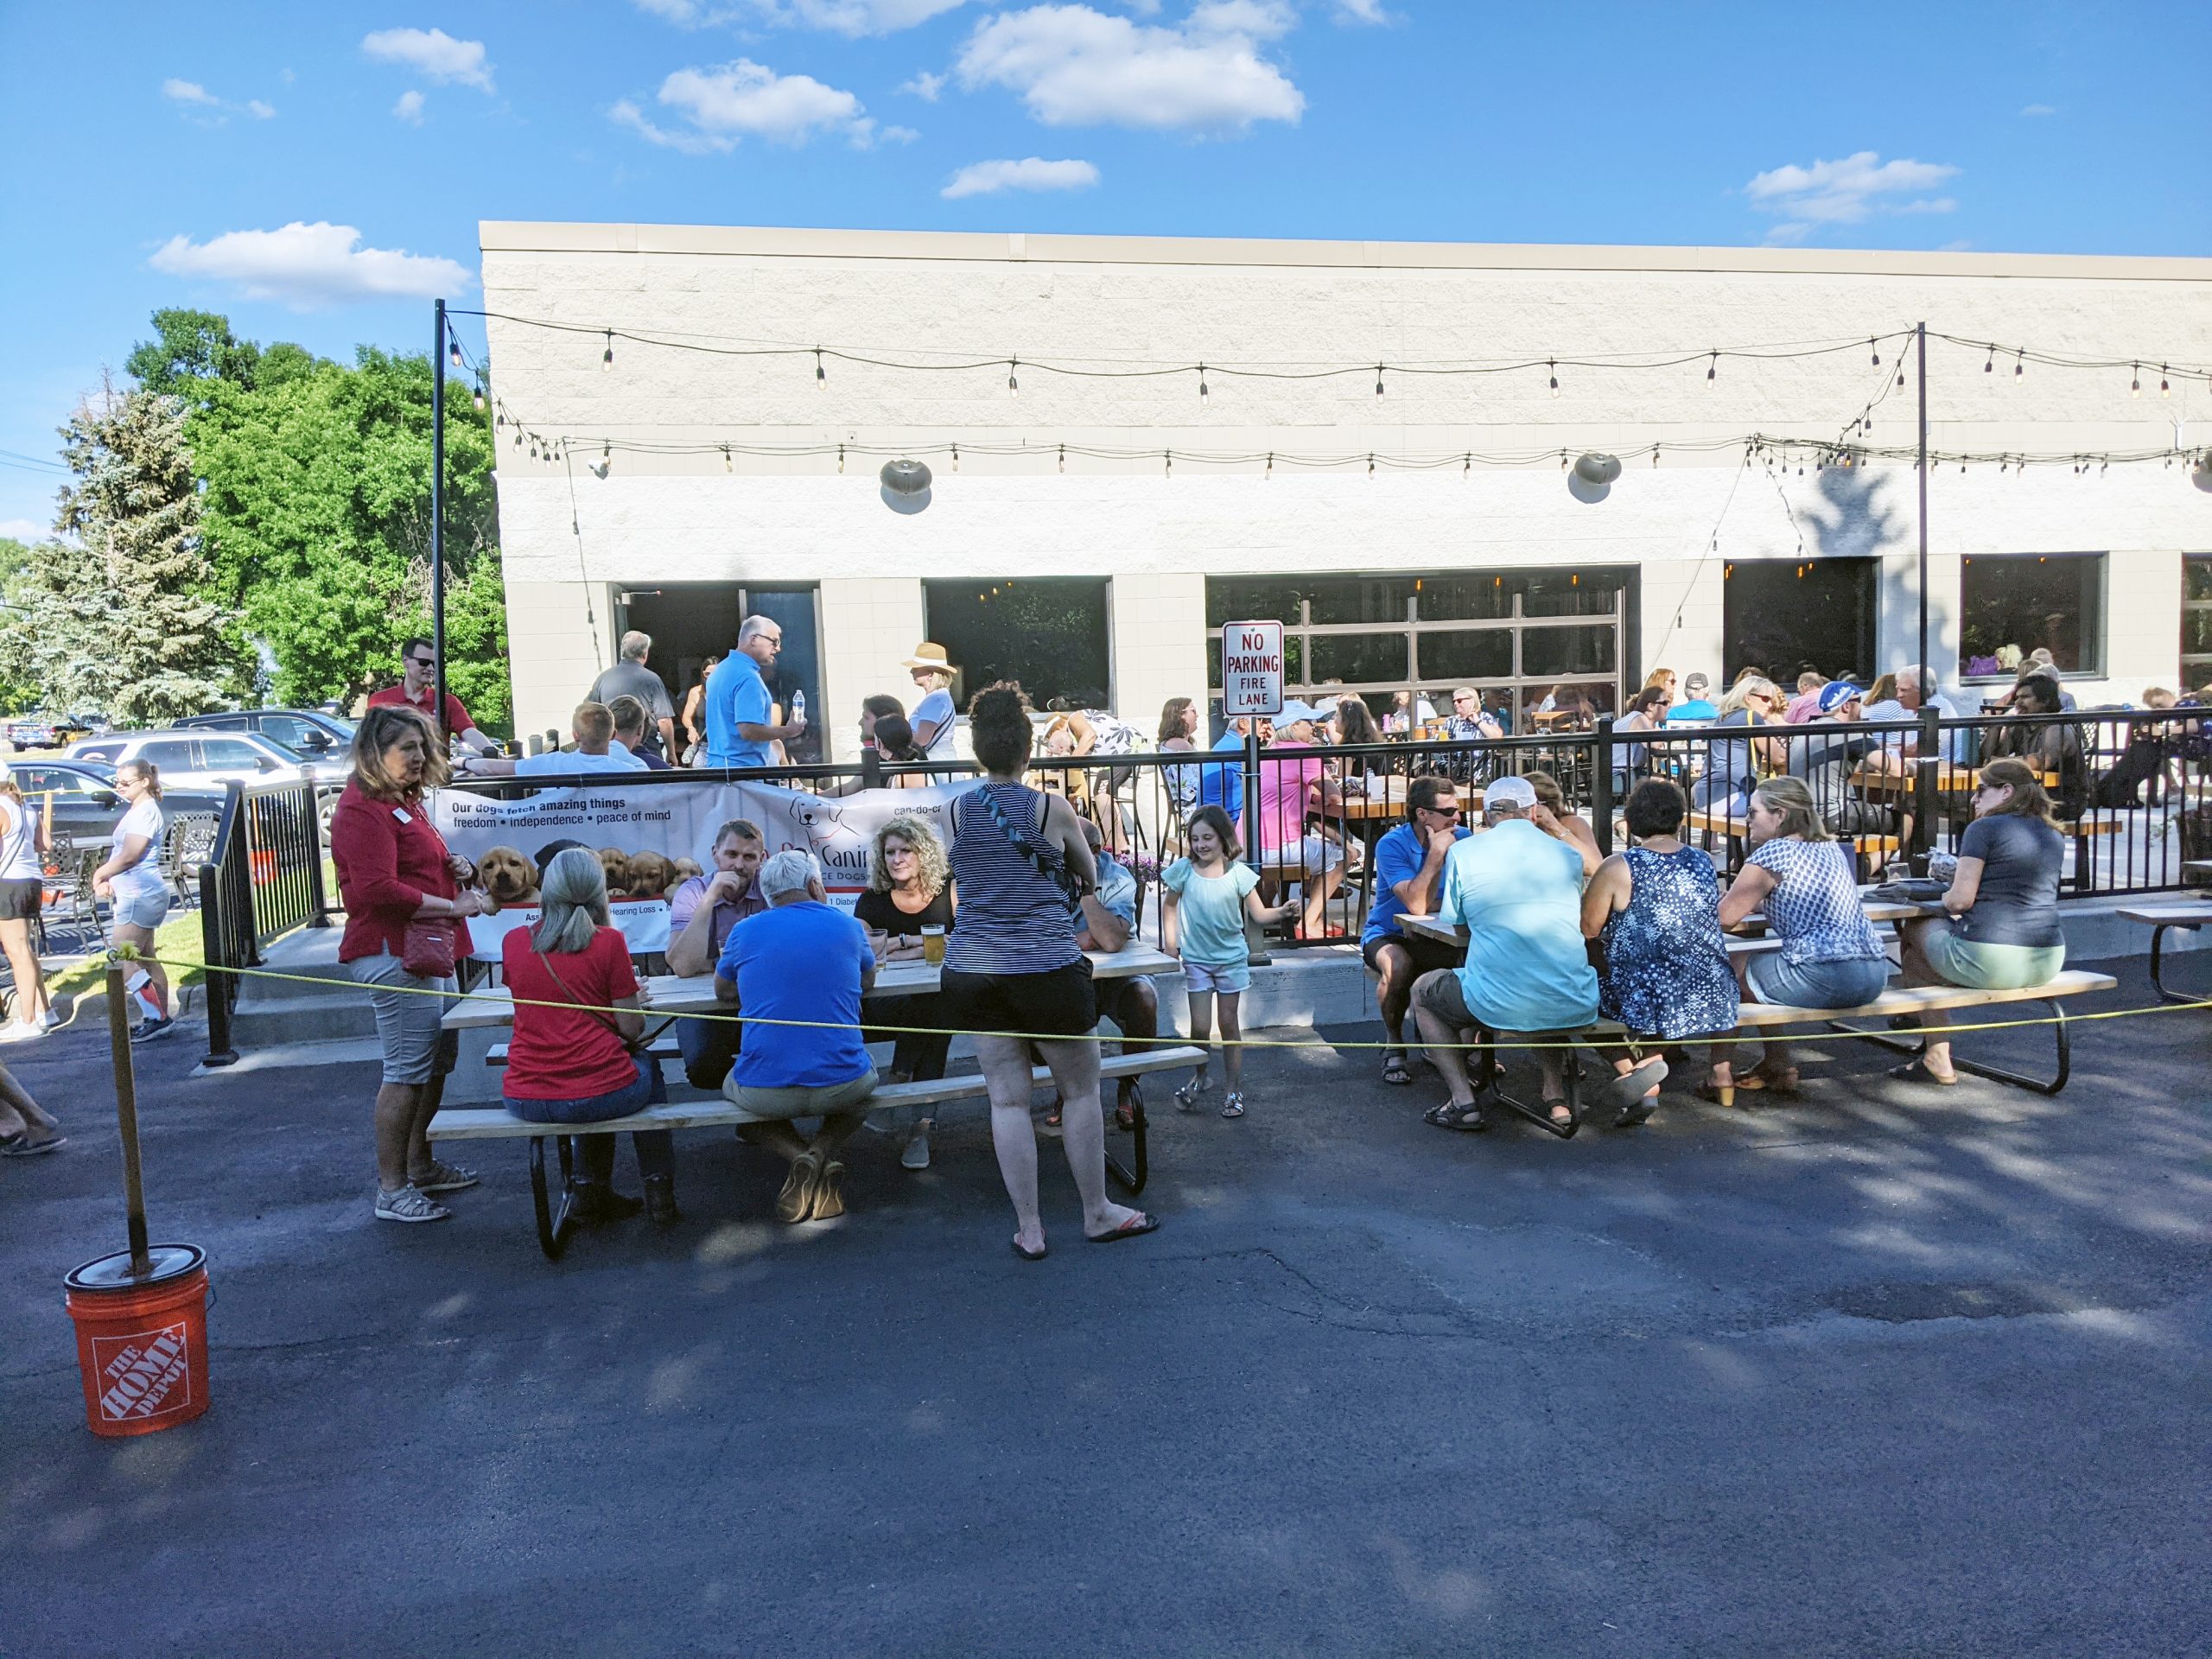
<point>1443,812</point>
<point>423,662</point>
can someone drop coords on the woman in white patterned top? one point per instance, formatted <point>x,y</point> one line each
<point>1803,877</point>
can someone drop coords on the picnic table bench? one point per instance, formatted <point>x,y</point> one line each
<point>1898,1001</point>
<point>2159,918</point>
<point>668,995</point>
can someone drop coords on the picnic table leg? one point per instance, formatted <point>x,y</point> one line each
<point>552,1228</point>
<point>1132,1178</point>
<point>1995,1074</point>
<point>2157,981</point>
<point>1571,1074</point>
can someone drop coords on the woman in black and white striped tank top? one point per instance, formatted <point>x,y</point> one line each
<point>1022,867</point>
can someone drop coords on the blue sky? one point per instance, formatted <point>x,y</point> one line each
<point>316,172</point>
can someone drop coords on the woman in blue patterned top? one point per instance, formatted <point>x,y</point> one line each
<point>1024,867</point>
<point>1830,956</point>
<point>1657,907</point>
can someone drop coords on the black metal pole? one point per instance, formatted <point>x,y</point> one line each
<point>1255,949</point>
<point>1927,691</point>
<point>438,514</point>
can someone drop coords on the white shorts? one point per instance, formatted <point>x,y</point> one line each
<point>146,910</point>
<point>1314,855</point>
<point>1234,978</point>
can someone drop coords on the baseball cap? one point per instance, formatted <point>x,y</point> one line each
<point>1836,693</point>
<point>1293,711</point>
<point>1509,791</point>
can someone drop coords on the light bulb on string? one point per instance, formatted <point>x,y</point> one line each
<point>1270,472</point>
<point>729,465</point>
<point>1378,379</point>
<point>2135,382</point>
<point>1013,385</point>
<point>1900,379</point>
<point>498,420</point>
<point>1064,457</point>
<point>1467,465</point>
<point>2165,391</point>
<point>1202,386</point>
<point>606,357</point>
<point>1990,367</point>
<point>1875,347</point>
<point>1555,368</point>
<point>956,457</point>
<point>1712,369</point>
<point>1370,463</point>
<point>2020,366</point>
<point>841,460</point>
<point>1167,463</point>
<point>453,354</point>
<point>476,398</point>
<point>820,375</point>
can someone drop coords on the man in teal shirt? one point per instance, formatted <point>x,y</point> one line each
<point>739,706</point>
<point>1518,892</point>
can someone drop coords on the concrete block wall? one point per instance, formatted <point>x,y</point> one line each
<point>1160,645</point>
<point>870,626</point>
<point>557,642</point>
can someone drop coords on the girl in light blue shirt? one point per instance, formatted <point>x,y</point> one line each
<point>1208,895</point>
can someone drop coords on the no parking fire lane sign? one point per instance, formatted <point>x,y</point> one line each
<point>1251,668</point>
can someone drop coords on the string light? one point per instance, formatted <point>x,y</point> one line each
<point>1713,369</point>
<point>1990,367</point>
<point>2135,381</point>
<point>1064,457</point>
<point>606,357</point>
<point>1555,368</point>
<point>1167,462</point>
<point>2019,364</point>
<point>956,457</point>
<point>1202,386</point>
<point>1378,379</point>
<point>476,398</point>
<point>453,354</point>
<point>841,460</point>
<point>1370,463</point>
<point>1269,475</point>
<point>1876,348</point>
<point>821,375</point>
<point>1467,466</point>
<point>1013,385</point>
<point>2165,391</point>
<point>729,465</point>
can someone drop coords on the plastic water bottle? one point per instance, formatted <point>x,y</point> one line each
<point>798,707</point>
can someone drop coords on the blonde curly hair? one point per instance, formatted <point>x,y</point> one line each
<point>935,869</point>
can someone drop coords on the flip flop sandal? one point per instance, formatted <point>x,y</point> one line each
<point>1232,1106</point>
<point>1623,1091</point>
<point>1135,1227</point>
<point>1639,1113</point>
<point>21,1146</point>
<point>1919,1072</point>
<point>1469,1120</point>
<point>1395,1070</point>
<point>1037,1255</point>
<point>1187,1098</point>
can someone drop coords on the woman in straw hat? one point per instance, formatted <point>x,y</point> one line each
<point>932,719</point>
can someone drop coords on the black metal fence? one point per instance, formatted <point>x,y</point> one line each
<point>2132,790</point>
<point>262,880</point>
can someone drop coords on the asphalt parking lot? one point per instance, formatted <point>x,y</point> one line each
<point>1882,1371</point>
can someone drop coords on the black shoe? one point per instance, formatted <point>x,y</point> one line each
<point>660,1201</point>
<point>596,1201</point>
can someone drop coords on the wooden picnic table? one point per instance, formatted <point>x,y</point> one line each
<point>1359,807</point>
<point>666,994</point>
<point>1950,779</point>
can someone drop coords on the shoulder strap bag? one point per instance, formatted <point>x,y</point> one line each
<point>1071,889</point>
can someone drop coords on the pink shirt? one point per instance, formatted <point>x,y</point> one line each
<point>1285,786</point>
<point>1805,706</point>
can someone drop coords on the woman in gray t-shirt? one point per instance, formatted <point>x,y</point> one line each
<point>2003,932</point>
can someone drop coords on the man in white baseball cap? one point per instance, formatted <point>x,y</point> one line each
<point>1518,890</point>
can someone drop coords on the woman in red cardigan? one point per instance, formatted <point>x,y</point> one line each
<point>393,868</point>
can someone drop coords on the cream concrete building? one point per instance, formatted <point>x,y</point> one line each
<point>1088,532</point>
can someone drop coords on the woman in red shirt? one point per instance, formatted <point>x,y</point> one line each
<point>575,1016</point>
<point>393,869</point>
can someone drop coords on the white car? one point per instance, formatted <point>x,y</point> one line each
<point>198,759</point>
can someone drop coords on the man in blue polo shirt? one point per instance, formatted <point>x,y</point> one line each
<point>1224,785</point>
<point>740,709</point>
<point>1408,866</point>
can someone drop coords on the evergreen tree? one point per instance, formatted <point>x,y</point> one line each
<point>120,621</point>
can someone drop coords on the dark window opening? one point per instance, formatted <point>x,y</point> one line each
<point>1784,618</point>
<point>1050,634</point>
<point>2010,604</point>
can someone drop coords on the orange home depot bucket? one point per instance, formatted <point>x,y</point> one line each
<point>263,866</point>
<point>141,1343</point>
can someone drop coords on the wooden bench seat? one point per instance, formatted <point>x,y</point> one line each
<point>2159,918</point>
<point>1907,999</point>
<point>497,1123</point>
<point>662,1047</point>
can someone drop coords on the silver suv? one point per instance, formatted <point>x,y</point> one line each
<point>205,759</point>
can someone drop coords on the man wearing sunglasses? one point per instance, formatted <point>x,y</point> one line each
<point>418,689</point>
<point>1408,864</point>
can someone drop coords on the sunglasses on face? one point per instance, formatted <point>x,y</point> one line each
<point>1443,812</point>
<point>423,662</point>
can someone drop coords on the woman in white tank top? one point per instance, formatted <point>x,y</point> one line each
<point>23,838</point>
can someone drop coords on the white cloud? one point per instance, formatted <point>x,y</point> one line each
<point>747,99</point>
<point>196,98</point>
<point>898,135</point>
<point>1364,11</point>
<point>2039,109</point>
<point>25,530</point>
<point>259,110</point>
<point>410,108</point>
<point>847,17</point>
<point>306,266</point>
<point>923,85</point>
<point>989,178</point>
<point>1847,192</point>
<point>188,91</point>
<point>431,52</point>
<point>1075,66</point>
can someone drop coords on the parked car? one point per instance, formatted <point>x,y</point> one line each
<point>45,731</point>
<point>308,734</point>
<point>189,759</point>
<point>85,805</point>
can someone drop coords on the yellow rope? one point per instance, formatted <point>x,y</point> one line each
<point>1642,1040</point>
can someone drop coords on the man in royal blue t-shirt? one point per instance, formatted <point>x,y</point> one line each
<point>798,970</point>
<point>1408,864</point>
<point>740,709</point>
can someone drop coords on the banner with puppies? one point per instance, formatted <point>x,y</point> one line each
<point>649,839</point>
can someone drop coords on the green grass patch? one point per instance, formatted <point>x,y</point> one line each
<point>177,942</point>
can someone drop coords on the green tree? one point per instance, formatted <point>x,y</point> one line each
<point>189,348</point>
<point>120,619</point>
<point>316,510</point>
<point>19,691</point>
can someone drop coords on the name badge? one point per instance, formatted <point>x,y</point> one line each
<point>400,812</point>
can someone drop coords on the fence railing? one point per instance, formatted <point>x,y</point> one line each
<point>262,880</point>
<point>2134,791</point>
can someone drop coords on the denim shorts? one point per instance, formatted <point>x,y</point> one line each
<point>1230,977</point>
<point>146,910</point>
<point>415,1046</point>
<point>1991,966</point>
<point>1847,984</point>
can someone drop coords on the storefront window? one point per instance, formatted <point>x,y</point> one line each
<point>2012,604</point>
<point>1050,634</point>
<point>2196,621</point>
